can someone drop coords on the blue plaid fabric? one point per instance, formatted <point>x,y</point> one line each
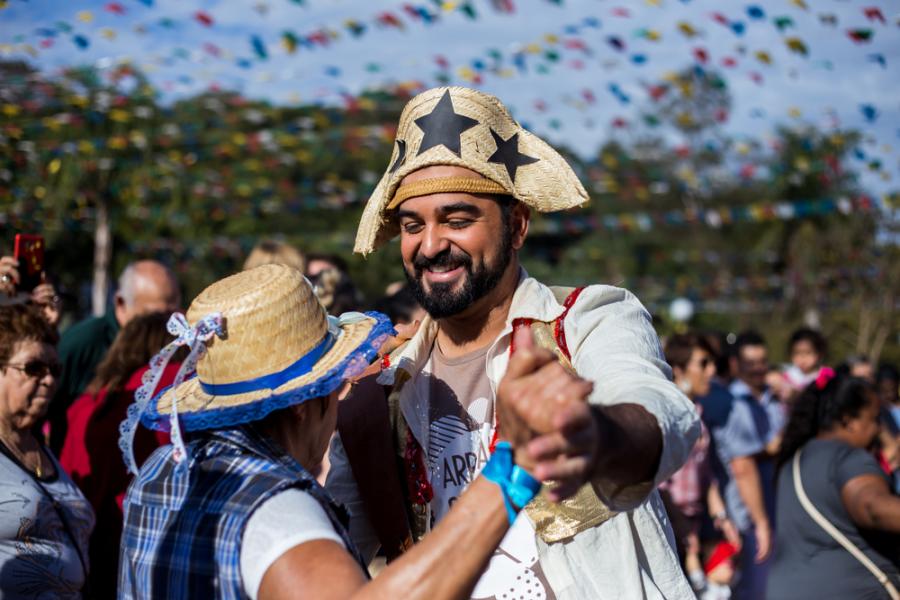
<point>183,528</point>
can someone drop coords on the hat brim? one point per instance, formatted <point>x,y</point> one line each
<point>351,353</point>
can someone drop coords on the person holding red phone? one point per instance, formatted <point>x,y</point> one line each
<point>42,294</point>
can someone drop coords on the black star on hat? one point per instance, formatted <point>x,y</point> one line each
<point>401,156</point>
<point>442,126</point>
<point>508,154</point>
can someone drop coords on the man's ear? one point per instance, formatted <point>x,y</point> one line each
<point>521,217</point>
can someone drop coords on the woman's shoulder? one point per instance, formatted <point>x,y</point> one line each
<point>837,448</point>
<point>845,461</point>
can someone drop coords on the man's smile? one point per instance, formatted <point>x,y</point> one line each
<point>443,274</point>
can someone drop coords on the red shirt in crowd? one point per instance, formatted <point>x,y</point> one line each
<point>91,456</point>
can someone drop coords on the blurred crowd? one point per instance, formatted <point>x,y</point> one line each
<point>741,527</point>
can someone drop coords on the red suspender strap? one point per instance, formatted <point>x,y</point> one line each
<point>559,332</point>
<point>559,329</point>
<point>517,324</point>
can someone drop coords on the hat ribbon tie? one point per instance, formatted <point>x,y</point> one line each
<point>195,339</point>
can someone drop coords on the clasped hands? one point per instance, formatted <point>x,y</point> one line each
<point>543,412</point>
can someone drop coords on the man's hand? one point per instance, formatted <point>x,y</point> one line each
<point>542,411</point>
<point>567,455</point>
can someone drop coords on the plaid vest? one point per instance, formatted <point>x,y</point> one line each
<point>183,530</point>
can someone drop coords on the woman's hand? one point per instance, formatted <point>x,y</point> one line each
<point>405,333</point>
<point>9,275</point>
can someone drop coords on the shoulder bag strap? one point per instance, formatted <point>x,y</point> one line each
<point>837,535</point>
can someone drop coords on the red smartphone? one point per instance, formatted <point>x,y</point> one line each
<point>29,251</point>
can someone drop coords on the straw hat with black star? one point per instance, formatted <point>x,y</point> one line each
<point>466,128</point>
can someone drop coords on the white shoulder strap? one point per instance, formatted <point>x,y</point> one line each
<point>837,535</point>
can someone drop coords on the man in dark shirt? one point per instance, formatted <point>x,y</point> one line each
<point>144,286</point>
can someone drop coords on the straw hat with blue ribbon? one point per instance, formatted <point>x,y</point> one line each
<point>259,341</point>
<point>466,128</point>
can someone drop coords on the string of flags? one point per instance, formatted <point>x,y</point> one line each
<point>589,41</point>
<point>758,212</point>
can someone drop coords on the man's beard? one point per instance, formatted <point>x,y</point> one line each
<point>441,300</point>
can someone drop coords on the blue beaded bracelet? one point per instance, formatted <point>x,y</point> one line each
<point>516,485</point>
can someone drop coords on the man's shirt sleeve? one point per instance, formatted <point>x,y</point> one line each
<point>739,437</point>
<point>612,342</point>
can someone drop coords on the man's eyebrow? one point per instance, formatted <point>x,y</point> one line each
<point>445,210</point>
<point>464,207</point>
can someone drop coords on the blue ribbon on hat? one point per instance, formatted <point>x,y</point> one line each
<point>272,381</point>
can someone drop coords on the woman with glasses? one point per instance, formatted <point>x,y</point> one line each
<point>45,521</point>
<point>90,454</point>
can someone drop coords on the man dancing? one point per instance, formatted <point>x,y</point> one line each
<point>463,179</point>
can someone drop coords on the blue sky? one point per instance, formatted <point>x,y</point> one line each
<point>825,88</point>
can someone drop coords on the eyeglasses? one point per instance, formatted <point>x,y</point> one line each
<point>38,369</point>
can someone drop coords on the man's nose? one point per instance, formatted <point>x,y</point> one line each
<point>433,242</point>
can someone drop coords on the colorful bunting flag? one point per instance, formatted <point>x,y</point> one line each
<point>783,22</point>
<point>687,29</point>
<point>756,12</point>
<point>114,8</point>
<point>869,112</point>
<point>878,58</point>
<point>259,48</point>
<point>289,41</point>
<point>620,95</point>
<point>797,46</point>
<point>616,42</point>
<point>203,18</point>
<point>873,13</point>
<point>860,36</point>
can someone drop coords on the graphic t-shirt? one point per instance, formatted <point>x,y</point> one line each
<point>461,405</point>
<point>38,559</point>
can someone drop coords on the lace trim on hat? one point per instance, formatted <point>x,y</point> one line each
<point>195,338</point>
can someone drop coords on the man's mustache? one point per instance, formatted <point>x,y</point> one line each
<point>446,259</point>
